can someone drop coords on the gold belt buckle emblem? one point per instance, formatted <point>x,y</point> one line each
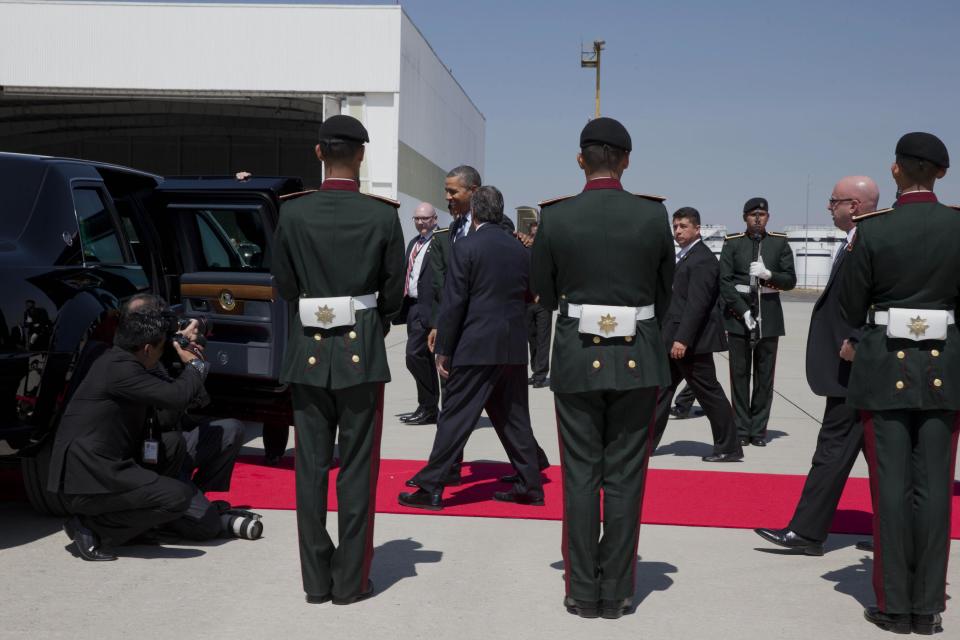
<point>607,324</point>
<point>325,315</point>
<point>918,326</point>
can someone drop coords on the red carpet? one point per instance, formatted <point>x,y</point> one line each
<point>688,498</point>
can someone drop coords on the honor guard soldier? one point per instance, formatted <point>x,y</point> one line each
<point>604,259</point>
<point>755,266</point>
<point>902,283</point>
<point>339,262</point>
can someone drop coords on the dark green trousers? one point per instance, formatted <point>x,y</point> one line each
<point>752,412</point>
<point>318,414</point>
<point>911,456</point>
<point>605,442</point>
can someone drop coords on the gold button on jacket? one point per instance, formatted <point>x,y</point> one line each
<point>355,358</point>
<point>311,361</point>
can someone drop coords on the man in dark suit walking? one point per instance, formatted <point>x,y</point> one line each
<point>417,303</point>
<point>539,327</point>
<point>693,332</point>
<point>482,349</point>
<point>830,345</point>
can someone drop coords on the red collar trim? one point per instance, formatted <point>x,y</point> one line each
<point>339,184</point>
<point>915,197</point>
<point>603,183</point>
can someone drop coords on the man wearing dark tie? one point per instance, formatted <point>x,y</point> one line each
<point>830,346</point>
<point>418,297</point>
<point>482,349</point>
<point>692,332</point>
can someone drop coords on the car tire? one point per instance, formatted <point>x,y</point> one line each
<point>35,470</point>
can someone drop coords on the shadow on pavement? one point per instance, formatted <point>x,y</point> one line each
<point>773,434</point>
<point>21,525</point>
<point>685,448</point>
<point>149,552</point>
<point>398,559</point>
<point>650,577</point>
<point>855,581</point>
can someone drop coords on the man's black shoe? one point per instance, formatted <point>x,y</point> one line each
<point>926,624</point>
<point>540,383</point>
<point>723,457</point>
<point>744,442</point>
<point>791,540</point>
<point>427,417</point>
<point>895,622</point>
<point>452,480</point>
<point>407,414</point>
<point>272,460</point>
<point>421,499</point>
<point>865,545</point>
<point>86,541</point>
<point>416,415</point>
<point>758,442</point>
<point>357,598</point>
<point>582,608</point>
<point>530,498</point>
<point>613,609</point>
<point>679,414</point>
<point>312,599</point>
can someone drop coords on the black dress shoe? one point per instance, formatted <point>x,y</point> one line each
<point>531,380</point>
<point>679,414</point>
<point>312,599</point>
<point>723,457</point>
<point>530,498</point>
<point>272,461</point>
<point>613,609</point>
<point>582,608</point>
<point>865,545</point>
<point>416,415</point>
<point>86,541</point>
<point>791,540</point>
<point>744,442</point>
<point>427,417</point>
<point>895,622</point>
<point>421,499</point>
<point>357,598</point>
<point>540,384</point>
<point>758,442</point>
<point>926,624</point>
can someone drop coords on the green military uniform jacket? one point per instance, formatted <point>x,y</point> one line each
<point>735,259</point>
<point>904,257</point>
<point>339,243</point>
<point>605,246</point>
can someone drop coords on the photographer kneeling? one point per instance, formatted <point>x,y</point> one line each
<point>98,458</point>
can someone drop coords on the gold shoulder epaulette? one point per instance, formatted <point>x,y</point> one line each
<point>547,203</point>
<point>650,197</point>
<point>776,234</point>
<point>864,216</point>
<point>734,236</point>
<point>297,194</point>
<point>389,201</point>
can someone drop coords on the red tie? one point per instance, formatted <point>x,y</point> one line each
<point>413,258</point>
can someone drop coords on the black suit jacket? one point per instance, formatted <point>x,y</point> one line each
<point>425,293</point>
<point>827,373</point>
<point>100,436</point>
<point>693,316</point>
<point>482,318</point>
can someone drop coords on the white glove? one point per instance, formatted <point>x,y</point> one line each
<point>760,270</point>
<point>749,321</point>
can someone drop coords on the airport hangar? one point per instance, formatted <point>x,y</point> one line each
<point>210,89</point>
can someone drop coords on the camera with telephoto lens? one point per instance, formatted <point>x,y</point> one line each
<point>176,324</point>
<point>240,523</point>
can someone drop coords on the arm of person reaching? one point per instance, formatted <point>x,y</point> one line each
<point>135,383</point>
<point>456,295</point>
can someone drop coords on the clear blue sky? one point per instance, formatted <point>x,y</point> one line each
<point>724,99</point>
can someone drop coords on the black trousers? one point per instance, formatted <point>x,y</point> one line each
<point>356,413</point>
<point>912,456</point>
<point>211,452</point>
<point>839,443</point>
<point>502,391</point>
<point>684,400</point>
<point>420,362</point>
<point>538,336</point>
<point>701,375</point>
<point>752,411</point>
<point>605,443</point>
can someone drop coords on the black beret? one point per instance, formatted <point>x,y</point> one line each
<point>756,203</point>
<point>924,146</point>
<point>341,127</point>
<point>605,131</point>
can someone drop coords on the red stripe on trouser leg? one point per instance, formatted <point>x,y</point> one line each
<point>372,505</point>
<point>643,485</point>
<point>953,465</point>
<point>564,542</point>
<point>870,452</point>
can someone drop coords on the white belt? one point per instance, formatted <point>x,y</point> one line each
<point>368,301</point>
<point>915,324</point>
<point>883,317</point>
<point>643,313</point>
<point>745,288</point>
<point>328,313</point>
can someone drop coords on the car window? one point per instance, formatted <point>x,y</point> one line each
<point>231,239</point>
<point>98,233</point>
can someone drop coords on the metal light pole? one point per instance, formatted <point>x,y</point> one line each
<point>592,59</point>
<point>806,239</point>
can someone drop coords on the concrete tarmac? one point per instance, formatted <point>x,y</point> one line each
<point>465,577</point>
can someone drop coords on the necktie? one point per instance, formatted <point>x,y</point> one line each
<point>413,258</point>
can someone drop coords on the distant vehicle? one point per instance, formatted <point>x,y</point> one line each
<point>78,238</point>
